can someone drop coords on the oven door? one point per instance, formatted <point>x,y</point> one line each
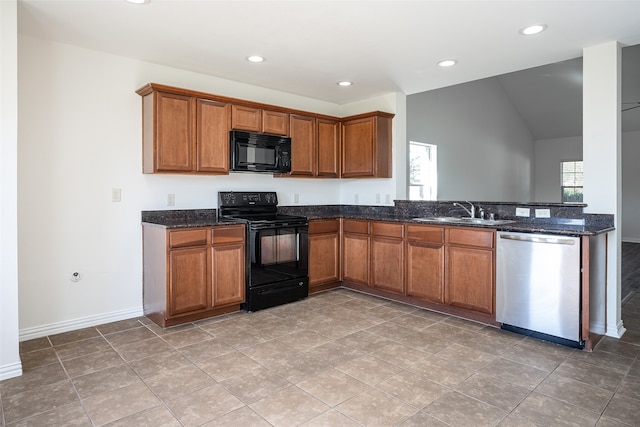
<point>278,254</point>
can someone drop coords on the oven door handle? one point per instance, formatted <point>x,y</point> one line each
<point>277,290</point>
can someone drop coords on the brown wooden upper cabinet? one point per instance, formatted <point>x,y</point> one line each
<point>366,145</point>
<point>254,119</point>
<point>168,132</point>
<point>315,146</point>
<point>212,136</point>
<point>184,133</point>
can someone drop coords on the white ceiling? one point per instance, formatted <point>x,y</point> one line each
<point>382,46</point>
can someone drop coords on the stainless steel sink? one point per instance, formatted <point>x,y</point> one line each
<point>456,220</point>
<point>486,221</point>
<point>439,219</point>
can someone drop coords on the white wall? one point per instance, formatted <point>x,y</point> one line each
<point>10,365</point>
<point>630,187</point>
<point>549,153</point>
<point>601,150</point>
<point>485,150</point>
<point>79,137</point>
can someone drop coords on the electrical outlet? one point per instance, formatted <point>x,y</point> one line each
<point>543,213</point>
<point>523,212</point>
<point>296,198</point>
<point>356,198</point>
<point>377,197</point>
<point>387,199</point>
<point>116,194</point>
<point>171,199</point>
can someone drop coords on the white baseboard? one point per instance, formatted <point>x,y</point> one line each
<point>72,325</point>
<point>597,328</point>
<point>631,239</point>
<point>10,371</point>
<point>618,331</point>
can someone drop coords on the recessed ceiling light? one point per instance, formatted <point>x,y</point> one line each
<point>447,63</point>
<point>345,83</point>
<point>137,1</point>
<point>533,29</point>
<point>255,58</point>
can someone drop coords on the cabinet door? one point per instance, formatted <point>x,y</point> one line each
<point>228,274</point>
<point>324,258</point>
<point>189,282</point>
<point>387,264</point>
<point>355,258</point>
<point>470,278</point>
<point>275,122</point>
<point>328,148</point>
<point>212,136</point>
<point>246,118</point>
<point>358,148</point>
<point>425,271</point>
<point>303,141</point>
<point>174,133</point>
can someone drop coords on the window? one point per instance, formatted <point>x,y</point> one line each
<point>572,181</point>
<point>423,171</point>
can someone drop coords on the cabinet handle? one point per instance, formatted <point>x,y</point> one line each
<point>552,240</point>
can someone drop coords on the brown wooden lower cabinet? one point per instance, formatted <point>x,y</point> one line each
<point>355,251</point>
<point>447,266</point>
<point>194,273</point>
<point>387,256</point>
<point>425,262</point>
<point>188,282</point>
<point>324,254</point>
<point>470,269</point>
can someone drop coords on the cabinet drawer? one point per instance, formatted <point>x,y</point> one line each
<point>355,226</point>
<point>470,237</point>
<point>324,226</point>
<point>183,238</point>
<point>425,233</point>
<point>387,229</point>
<point>227,234</point>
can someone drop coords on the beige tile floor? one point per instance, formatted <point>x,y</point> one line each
<point>339,358</point>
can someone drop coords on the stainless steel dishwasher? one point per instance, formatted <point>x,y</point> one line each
<point>538,285</point>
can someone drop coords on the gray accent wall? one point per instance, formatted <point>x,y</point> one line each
<point>485,150</point>
<point>549,153</point>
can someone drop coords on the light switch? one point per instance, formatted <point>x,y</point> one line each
<point>116,194</point>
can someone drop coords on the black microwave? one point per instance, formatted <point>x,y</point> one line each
<point>259,152</point>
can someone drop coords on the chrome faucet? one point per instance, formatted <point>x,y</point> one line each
<point>472,212</point>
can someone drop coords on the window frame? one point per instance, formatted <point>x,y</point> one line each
<point>433,183</point>
<point>573,187</point>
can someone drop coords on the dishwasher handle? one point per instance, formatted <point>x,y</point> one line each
<point>537,239</point>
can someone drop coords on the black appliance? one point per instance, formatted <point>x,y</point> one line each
<point>259,152</point>
<point>277,248</point>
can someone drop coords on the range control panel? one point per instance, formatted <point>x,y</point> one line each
<point>254,198</point>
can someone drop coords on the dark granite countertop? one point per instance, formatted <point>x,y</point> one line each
<point>566,220</point>
<point>185,218</point>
